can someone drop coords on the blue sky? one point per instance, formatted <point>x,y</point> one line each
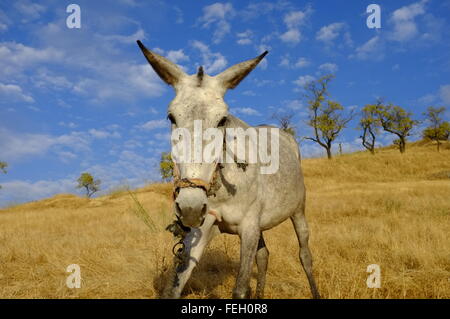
<point>77,100</point>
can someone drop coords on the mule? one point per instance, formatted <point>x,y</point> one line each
<point>244,201</point>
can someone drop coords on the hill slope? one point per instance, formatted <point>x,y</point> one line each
<point>389,209</point>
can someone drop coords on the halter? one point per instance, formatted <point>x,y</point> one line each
<point>208,186</point>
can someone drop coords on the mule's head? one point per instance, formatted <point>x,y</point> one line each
<point>198,99</point>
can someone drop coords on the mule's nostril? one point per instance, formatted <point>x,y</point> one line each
<point>204,209</point>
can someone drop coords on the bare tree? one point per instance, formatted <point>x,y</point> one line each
<point>3,166</point>
<point>285,122</point>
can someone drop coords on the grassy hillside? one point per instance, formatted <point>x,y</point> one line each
<point>388,209</point>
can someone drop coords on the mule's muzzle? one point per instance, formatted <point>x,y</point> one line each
<point>191,206</point>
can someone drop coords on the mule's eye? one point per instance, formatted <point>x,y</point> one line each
<point>171,119</point>
<point>222,121</point>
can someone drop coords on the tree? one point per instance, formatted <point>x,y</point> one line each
<point>166,166</point>
<point>285,122</point>
<point>325,116</point>
<point>396,120</point>
<point>3,166</point>
<point>370,124</point>
<point>87,181</point>
<point>439,129</point>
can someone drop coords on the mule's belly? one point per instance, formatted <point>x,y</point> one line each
<point>282,194</point>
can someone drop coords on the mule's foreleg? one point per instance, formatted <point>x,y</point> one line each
<point>195,243</point>
<point>302,231</point>
<point>262,259</point>
<point>249,235</point>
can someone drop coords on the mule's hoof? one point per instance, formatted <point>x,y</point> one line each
<point>316,295</point>
<point>242,294</point>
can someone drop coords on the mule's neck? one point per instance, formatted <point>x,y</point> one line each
<point>234,122</point>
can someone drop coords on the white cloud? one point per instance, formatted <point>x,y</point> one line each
<point>68,124</point>
<point>129,168</point>
<point>301,62</point>
<point>303,80</point>
<point>63,104</point>
<point>14,92</point>
<point>329,32</point>
<point>427,99</point>
<point>47,79</point>
<point>371,50</point>
<point>246,111</point>
<point>213,62</point>
<point>285,61</point>
<point>177,56</point>
<point>100,73</point>
<point>163,136</point>
<point>249,93</point>
<point>293,20</point>
<point>405,27</point>
<point>5,21</point>
<point>20,145</point>
<point>124,39</point>
<point>295,104</point>
<point>153,124</point>
<point>66,156</point>
<point>33,108</point>
<point>178,15</point>
<point>244,41</point>
<point>20,191</point>
<point>244,38</point>
<point>257,9</point>
<point>102,134</point>
<point>132,144</point>
<point>311,149</point>
<point>16,57</point>
<point>291,36</point>
<point>125,82</point>
<point>217,14</point>
<point>329,67</point>
<point>29,10</point>
<point>444,93</point>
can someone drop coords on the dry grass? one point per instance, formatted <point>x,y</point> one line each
<point>389,209</point>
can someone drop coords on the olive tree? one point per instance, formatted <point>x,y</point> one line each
<point>90,184</point>
<point>166,166</point>
<point>3,166</point>
<point>370,125</point>
<point>326,117</point>
<point>396,120</point>
<point>439,130</point>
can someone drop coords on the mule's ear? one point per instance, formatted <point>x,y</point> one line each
<point>168,72</point>
<point>232,76</point>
